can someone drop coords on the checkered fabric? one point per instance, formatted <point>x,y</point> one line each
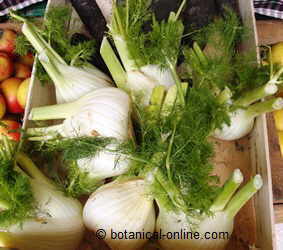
<point>5,5</point>
<point>271,8</point>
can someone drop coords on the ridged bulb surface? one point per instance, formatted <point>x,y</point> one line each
<point>120,206</point>
<point>241,124</point>
<point>58,224</point>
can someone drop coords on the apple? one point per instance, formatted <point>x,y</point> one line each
<point>6,66</point>
<point>9,89</point>
<point>2,106</point>
<point>7,127</point>
<point>26,59</point>
<point>23,92</point>
<point>8,40</point>
<point>22,70</point>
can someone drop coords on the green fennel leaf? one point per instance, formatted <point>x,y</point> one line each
<point>53,29</point>
<point>148,41</point>
<point>76,182</point>
<point>22,45</point>
<point>15,191</point>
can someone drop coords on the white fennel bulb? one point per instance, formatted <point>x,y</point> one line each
<point>73,82</point>
<point>245,103</point>
<point>241,124</point>
<point>58,225</point>
<point>141,82</point>
<point>57,221</point>
<point>70,82</point>
<point>242,120</point>
<point>207,232</point>
<point>170,222</point>
<point>104,112</point>
<point>106,164</point>
<point>137,70</point>
<point>121,206</point>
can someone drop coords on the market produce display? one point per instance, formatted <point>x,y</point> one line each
<point>137,143</point>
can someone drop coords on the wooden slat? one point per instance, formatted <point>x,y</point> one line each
<point>276,161</point>
<point>269,32</point>
<point>13,26</point>
<point>278,213</point>
<point>260,161</point>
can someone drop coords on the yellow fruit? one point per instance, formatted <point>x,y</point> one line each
<point>276,56</point>
<point>278,118</point>
<point>280,138</point>
<point>22,92</point>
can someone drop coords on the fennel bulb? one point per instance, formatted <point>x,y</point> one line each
<point>70,82</point>
<point>141,83</point>
<point>53,221</point>
<point>57,226</point>
<point>221,221</point>
<point>121,206</point>
<point>242,120</point>
<point>172,222</point>
<point>102,113</point>
<point>242,109</point>
<point>148,59</point>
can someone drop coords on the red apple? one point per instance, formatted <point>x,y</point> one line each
<point>6,66</point>
<point>10,128</point>
<point>22,70</point>
<point>8,40</point>
<point>23,92</point>
<point>2,106</point>
<point>27,59</point>
<point>9,89</point>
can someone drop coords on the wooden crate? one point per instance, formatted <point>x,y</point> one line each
<point>254,225</point>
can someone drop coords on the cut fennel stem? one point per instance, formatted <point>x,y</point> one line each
<point>58,225</point>
<point>70,82</point>
<point>103,112</point>
<point>225,209</point>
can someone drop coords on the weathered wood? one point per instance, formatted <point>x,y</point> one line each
<point>260,161</point>
<point>278,213</point>
<point>269,31</point>
<point>276,161</point>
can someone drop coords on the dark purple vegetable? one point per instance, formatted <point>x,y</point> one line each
<point>198,13</point>
<point>226,3</point>
<point>92,18</point>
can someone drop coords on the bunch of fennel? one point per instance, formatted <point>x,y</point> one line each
<point>71,82</point>
<point>239,86</point>
<point>103,114</point>
<point>35,213</point>
<point>148,58</point>
<point>174,173</point>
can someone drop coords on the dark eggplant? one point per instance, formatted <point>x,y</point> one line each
<point>196,14</point>
<point>162,8</point>
<point>92,18</point>
<point>221,4</point>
